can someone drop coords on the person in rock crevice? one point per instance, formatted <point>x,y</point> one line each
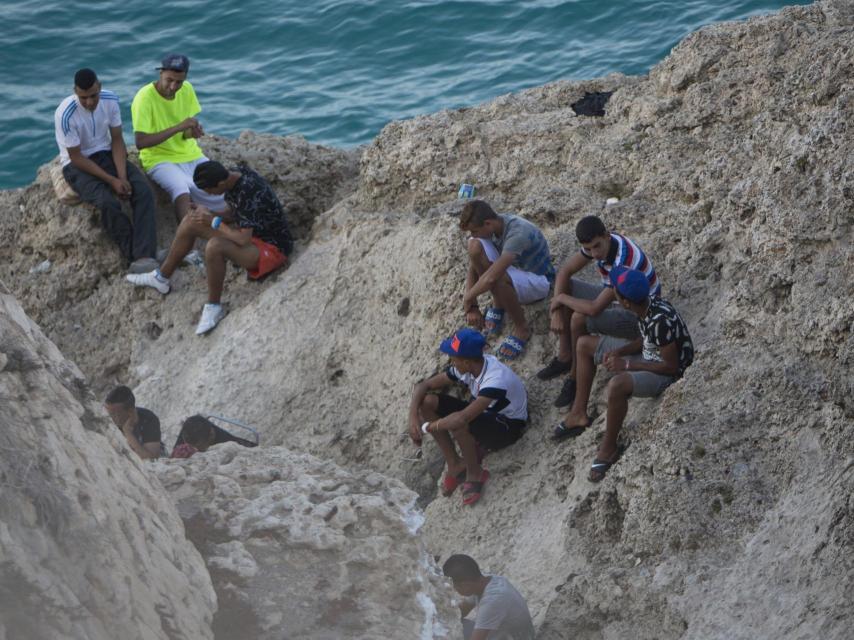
<point>198,434</point>
<point>494,418</point>
<point>139,426</point>
<point>252,232</point>
<point>502,613</point>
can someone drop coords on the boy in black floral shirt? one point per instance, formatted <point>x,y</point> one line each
<point>251,232</point>
<point>643,367</point>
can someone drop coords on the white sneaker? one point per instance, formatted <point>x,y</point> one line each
<point>143,265</point>
<point>194,259</point>
<point>150,279</point>
<point>211,315</point>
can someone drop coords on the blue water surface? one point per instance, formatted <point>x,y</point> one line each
<point>331,70</point>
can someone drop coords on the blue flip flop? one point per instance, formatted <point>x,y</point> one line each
<point>493,321</point>
<point>511,348</point>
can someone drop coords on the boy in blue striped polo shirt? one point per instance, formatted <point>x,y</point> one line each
<point>509,257</point>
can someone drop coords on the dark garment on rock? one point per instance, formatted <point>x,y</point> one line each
<point>220,436</point>
<point>592,104</point>
<point>256,206</point>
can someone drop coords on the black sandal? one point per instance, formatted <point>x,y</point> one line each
<point>561,431</point>
<point>600,467</point>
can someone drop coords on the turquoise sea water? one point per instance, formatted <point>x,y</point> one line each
<point>331,70</point>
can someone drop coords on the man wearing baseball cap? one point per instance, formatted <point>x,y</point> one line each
<point>494,418</point>
<point>166,130</point>
<point>643,367</point>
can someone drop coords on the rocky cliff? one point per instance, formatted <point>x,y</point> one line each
<point>90,544</point>
<point>730,515</point>
<point>300,548</point>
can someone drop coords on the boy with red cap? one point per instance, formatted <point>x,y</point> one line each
<point>643,367</point>
<point>494,418</point>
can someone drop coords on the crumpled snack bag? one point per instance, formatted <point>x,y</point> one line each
<point>64,193</point>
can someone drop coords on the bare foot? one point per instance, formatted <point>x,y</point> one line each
<point>608,455</point>
<point>456,469</point>
<point>473,475</point>
<point>576,420</point>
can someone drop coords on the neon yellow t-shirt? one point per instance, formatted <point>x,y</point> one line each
<point>152,113</point>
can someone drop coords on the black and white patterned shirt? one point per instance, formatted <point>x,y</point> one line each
<point>256,207</point>
<point>661,326</point>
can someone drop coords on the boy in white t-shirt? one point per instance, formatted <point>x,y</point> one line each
<point>502,613</point>
<point>88,127</point>
<point>494,418</point>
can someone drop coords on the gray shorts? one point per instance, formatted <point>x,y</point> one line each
<point>613,321</point>
<point>646,383</point>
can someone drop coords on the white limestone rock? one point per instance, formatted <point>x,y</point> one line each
<point>300,548</point>
<point>91,547</point>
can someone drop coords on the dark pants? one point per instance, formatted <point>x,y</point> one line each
<point>136,239</point>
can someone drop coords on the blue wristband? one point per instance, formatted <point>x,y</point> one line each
<point>216,222</point>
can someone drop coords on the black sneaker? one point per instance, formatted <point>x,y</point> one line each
<point>567,393</point>
<point>553,369</point>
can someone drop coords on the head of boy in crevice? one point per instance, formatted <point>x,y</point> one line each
<point>120,404</point>
<point>464,574</point>
<point>198,432</point>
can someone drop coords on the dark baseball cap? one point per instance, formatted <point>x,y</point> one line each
<point>630,283</point>
<point>465,343</point>
<point>175,62</point>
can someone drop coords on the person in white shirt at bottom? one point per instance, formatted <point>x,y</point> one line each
<point>502,613</point>
<point>495,417</point>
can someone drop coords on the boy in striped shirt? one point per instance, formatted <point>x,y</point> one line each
<point>579,308</point>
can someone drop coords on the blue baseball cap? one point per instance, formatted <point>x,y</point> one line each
<point>175,62</point>
<point>465,343</point>
<point>630,283</point>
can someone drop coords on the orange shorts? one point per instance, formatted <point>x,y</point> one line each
<point>271,258</point>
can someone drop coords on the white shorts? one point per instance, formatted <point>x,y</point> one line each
<point>529,286</point>
<point>176,179</point>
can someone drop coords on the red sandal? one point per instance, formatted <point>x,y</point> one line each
<point>472,491</point>
<point>450,483</point>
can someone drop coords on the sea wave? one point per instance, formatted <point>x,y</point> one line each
<point>333,71</point>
